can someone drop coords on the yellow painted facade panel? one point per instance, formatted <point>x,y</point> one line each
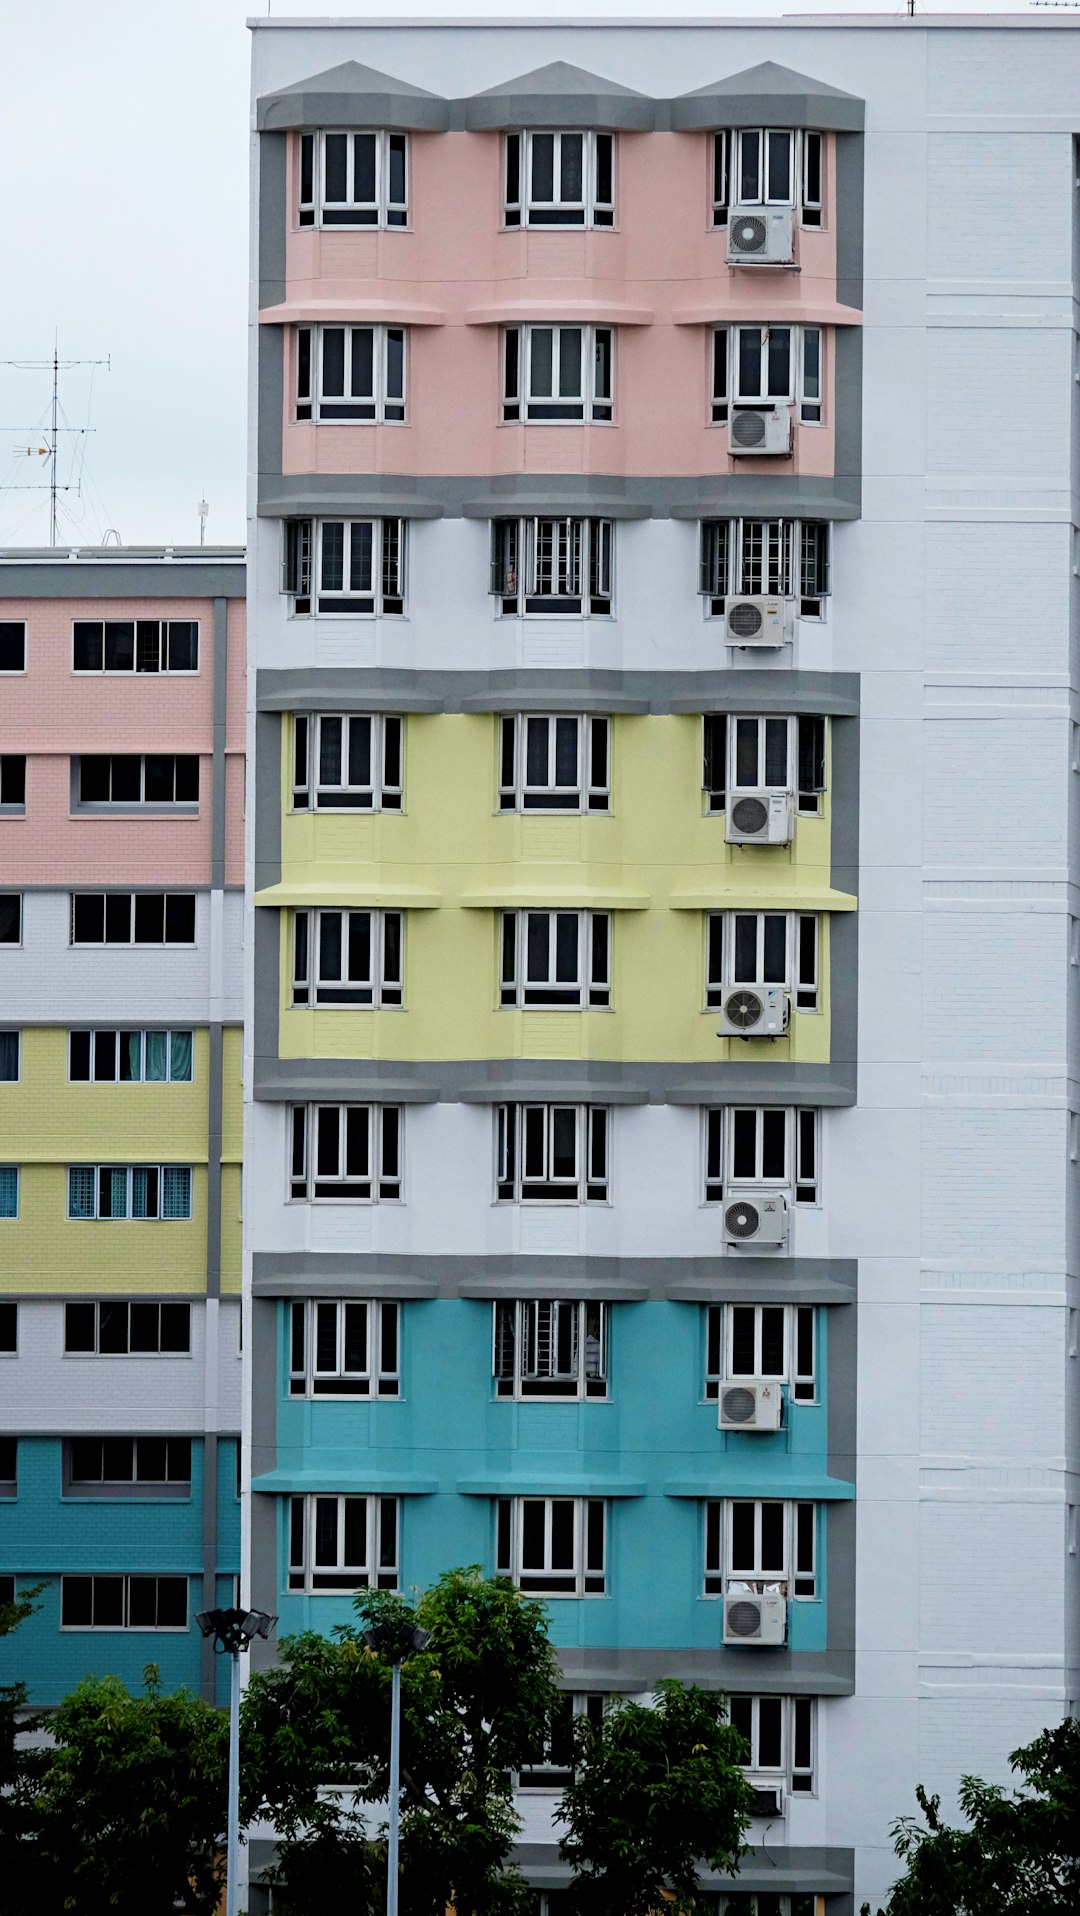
<point>45,1250</point>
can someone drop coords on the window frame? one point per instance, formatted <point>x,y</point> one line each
<point>13,784</point>
<point>765,558</point>
<point>304,560</point>
<point>589,991</point>
<point>5,898</point>
<point>591,405</point>
<point>383,792</point>
<point>382,990</point>
<point>800,1549</point>
<point>7,630</point>
<point>802,966</point>
<point>381,1516</point>
<point>155,1174</point>
<point>803,1324</point>
<point>521,207</point>
<point>590,792</point>
<point>142,642</point>
<point>144,1306</point>
<point>794,1727</point>
<point>575,551</point>
<point>732,354</point>
<point>93,1033</point>
<point>807,758</point>
<point>181,771</point>
<point>724,1135</point>
<point>173,1486</point>
<point>12,1176</point>
<point>384,1127</point>
<point>126,1580</point>
<point>341,1383</point>
<point>806,155</point>
<point>9,1316</point>
<point>522,1126</point>
<point>12,1031</point>
<point>389,214</point>
<point>110,907</point>
<point>586,1575</point>
<point>387,402</point>
<point>518,1329</point>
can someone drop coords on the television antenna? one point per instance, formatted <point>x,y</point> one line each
<point>50,450</point>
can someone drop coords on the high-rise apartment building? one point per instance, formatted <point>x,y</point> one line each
<point>122,700</point>
<point>663,484</point>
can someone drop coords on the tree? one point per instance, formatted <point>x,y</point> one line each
<point>476,1704</point>
<point>131,1805</point>
<point>20,1769</point>
<point>1019,1855</point>
<point>656,1792</point>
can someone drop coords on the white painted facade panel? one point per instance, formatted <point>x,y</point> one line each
<point>53,982</point>
<point>46,1391</point>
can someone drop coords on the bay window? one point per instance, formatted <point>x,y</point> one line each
<point>560,179</point>
<point>541,568</point>
<point>743,753</point>
<point>765,366</point>
<point>553,1546</point>
<point>352,179</point>
<point>551,1347</point>
<point>347,762</point>
<point>554,762</point>
<point>553,958</point>
<point>345,1152</point>
<point>759,1545</point>
<point>761,1144</point>
<point>768,166</point>
<point>344,1347</point>
<point>775,1341</point>
<point>343,1543</point>
<point>352,567</point>
<point>347,957</point>
<point>763,948</point>
<point>765,558</point>
<point>547,1152</point>
<point>350,373</point>
<point>558,374</point>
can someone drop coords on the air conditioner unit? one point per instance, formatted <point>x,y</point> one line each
<point>758,621</point>
<point>758,818</point>
<point>756,1218</point>
<point>753,1011</point>
<point>755,1620</point>
<point>750,1404</point>
<point>760,236</point>
<point>768,1798</point>
<point>760,430</point>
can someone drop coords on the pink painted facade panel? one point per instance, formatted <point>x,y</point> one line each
<point>54,708</point>
<point>53,845</point>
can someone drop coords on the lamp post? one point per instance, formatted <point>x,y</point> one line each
<point>233,1631</point>
<point>394,1639</point>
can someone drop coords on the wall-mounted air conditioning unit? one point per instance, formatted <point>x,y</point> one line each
<point>753,1011</point>
<point>755,1620</point>
<point>758,621</point>
<point>750,1404</point>
<point>768,1799</point>
<point>760,430</point>
<point>756,1218</point>
<point>758,818</point>
<point>760,236</point>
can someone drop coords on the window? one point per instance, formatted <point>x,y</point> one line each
<point>130,1057</point>
<point>347,762</point>
<point>779,1733</point>
<point>340,1152</point>
<point>123,1603</point>
<point>356,957</point>
<point>761,1145</point>
<point>767,166</point>
<point>354,373</point>
<point>558,374</point>
<point>546,568</point>
<point>112,1328</point>
<point>353,179</point>
<point>763,948</point>
<point>135,645</point>
<point>13,781</point>
<point>746,1903</point>
<point>135,778</point>
<point>554,763</point>
<point>766,365</point>
<point>556,958</point>
<point>10,918</point>
<point>554,1766</point>
<point>765,558</point>
<point>98,1466</point>
<point>12,645</point>
<point>552,1151</point>
<point>9,1057</point>
<point>760,1340</point>
<point>551,1347</point>
<point>344,1348</point>
<point>140,1191</point>
<point>9,1466</point>
<point>352,567</point>
<point>754,754</point>
<point>553,1546</point>
<point>560,179</point>
<point>757,1545</point>
<point>9,1329</point>
<point>9,1191</point>
<point>343,1543</point>
<point>133,918</point>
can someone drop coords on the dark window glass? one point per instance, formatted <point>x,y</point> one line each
<point>180,918</point>
<point>10,918</point>
<point>77,1602</point>
<point>9,1327</point>
<point>176,1328</point>
<point>12,645</point>
<point>78,1327</point>
<point>113,1328</point>
<point>9,1057</point>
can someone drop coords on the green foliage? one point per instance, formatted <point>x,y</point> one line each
<point>656,1792</point>
<point>20,1770</point>
<point>476,1704</point>
<point>21,1607</point>
<point>131,1804</point>
<point>1019,1855</point>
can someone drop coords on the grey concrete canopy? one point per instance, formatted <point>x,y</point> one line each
<point>561,95</point>
<point>767,95</point>
<point>353,95</point>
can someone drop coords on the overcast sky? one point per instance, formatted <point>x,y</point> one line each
<point>123,232</point>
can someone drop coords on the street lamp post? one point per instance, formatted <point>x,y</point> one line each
<point>233,1631</point>
<point>394,1640</point>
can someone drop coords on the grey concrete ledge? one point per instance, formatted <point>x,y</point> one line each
<point>558,95</point>
<point>491,1081</point>
<point>124,578</point>
<point>573,689</point>
<point>795,1672</point>
<point>602,495</point>
<point>773,1867</point>
<point>767,95</point>
<point>684,1280</point>
<point>353,95</point>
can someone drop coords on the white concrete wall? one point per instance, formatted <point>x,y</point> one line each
<point>54,982</point>
<point>44,1390</point>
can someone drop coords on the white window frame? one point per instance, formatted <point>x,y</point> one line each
<point>802,387</point>
<point>7,626</point>
<point>112,898</point>
<point>802,1325</point>
<point>381,1319</point>
<point>5,898</point>
<point>384,405</point>
<point>129,1172</point>
<point>532,1335</point>
<point>589,990</point>
<point>135,1483</point>
<point>585,1576</point>
<point>381,1515</point>
<point>765,558</point>
<point>806,156</point>
<point>176,1629</point>
<point>378,1127</point>
<point>590,404</point>
<point>151,647</point>
<point>383,791</point>
<point>523,208</point>
<point>12,1217</point>
<point>590,790</point>
<point>143,1305</point>
<point>94,1032</point>
<point>789,1720</point>
<point>375,546</point>
<point>384,210</point>
<point>525,1153</point>
<point>806,751</point>
<point>142,802</point>
<point>552,567</point>
<point>797,1576</point>
<point>13,1031</point>
<point>802,967</point>
<point>13,782</point>
<point>725,1130</point>
<point>382,989</point>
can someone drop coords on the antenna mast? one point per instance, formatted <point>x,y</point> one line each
<point>51,450</point>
